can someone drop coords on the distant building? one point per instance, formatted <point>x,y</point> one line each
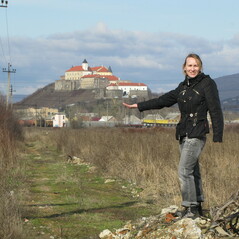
<point>85,77</point>
<point>59,120</point>
<point>99,77</point>
<point>132,120</point>
<point>108,119</point>
<point>36,113</point>
<point>76,72</point>
<point>129,88</point>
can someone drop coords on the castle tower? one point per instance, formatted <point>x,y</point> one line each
<point>85,65</point>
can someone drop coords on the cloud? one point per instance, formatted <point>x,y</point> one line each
<point>151,58</point>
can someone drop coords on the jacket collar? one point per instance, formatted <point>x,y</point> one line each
<point>192,81</point>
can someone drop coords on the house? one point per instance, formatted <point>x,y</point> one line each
<point>173,116</point>
<point>153,117</point>
<point>59,120</point>
<point>36,113</point>
<point>108,119</point>
<point>132,120</point>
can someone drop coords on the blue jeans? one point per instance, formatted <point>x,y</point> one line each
<point>189,171</point>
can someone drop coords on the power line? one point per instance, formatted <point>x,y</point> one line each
<point>9,70</point>
<point>8,38</point>
<point>3,4</point>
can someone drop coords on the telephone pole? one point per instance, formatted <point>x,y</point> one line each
<point>9,91</point>
<point>3,3</point>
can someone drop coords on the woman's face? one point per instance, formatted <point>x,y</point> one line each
<point>192,68</point>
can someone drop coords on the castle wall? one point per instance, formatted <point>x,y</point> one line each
<point>92,83</point>
<point>67,85</point>
<point>139,93</point>
<point>114,93</point>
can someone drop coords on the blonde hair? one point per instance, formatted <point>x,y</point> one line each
<point>198,60</point>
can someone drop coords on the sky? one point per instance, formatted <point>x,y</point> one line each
<point>143,41</point>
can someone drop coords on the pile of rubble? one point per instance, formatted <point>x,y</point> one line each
<point>223,223</point>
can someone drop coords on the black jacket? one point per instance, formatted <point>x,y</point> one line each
<point>195,97</point>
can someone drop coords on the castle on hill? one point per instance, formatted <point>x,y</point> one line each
<point>100,78</point>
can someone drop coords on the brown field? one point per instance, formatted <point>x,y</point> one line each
<point>146,157</point>
<point>149,158</point>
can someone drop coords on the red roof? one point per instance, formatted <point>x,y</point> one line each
<point>127,84</point>
<point>77,68</point>
<point>91,76</point>
<point>108,77</point>
<point>111,78</point>
<point>99,69</point>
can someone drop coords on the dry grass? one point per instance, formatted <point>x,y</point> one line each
<point>149,158</point>
<point>10,133</point>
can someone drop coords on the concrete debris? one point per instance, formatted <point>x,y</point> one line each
<point>168,225</point>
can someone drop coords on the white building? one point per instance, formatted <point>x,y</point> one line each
<point>127,87</point>
<point>77,72</point>
<point>59,120</point>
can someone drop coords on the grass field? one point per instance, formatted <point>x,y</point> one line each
<point>72,200</point>
<point>53,181</point>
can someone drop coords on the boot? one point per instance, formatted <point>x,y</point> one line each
<point>200,211</point>
<point>191,212</point>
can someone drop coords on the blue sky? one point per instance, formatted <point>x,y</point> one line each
<point>142,41</point>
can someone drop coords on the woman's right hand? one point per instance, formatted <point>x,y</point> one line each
<point>130,106</point>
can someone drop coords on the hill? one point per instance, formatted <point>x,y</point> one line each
<point>48,97</point>
<point>228,86</point>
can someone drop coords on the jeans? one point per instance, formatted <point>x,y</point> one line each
<point>189,171</point>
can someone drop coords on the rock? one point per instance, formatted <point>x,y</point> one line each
<point>185,228</point>
<point>171,209</point>
<point>109,180</point>
<point>106,234</point>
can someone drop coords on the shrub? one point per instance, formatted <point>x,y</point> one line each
<point>10,133</point>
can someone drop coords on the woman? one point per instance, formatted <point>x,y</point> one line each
<point>196,96</point>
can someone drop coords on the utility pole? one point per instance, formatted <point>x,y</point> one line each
<point>3,3</point>
<point>11,90</point>
<point>9,71</point>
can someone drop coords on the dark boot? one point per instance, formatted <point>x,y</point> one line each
<point>200,211</point>
<point>191,212</point>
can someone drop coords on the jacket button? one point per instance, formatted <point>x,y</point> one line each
<point>191,115</point>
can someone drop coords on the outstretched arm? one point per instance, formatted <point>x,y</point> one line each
<point>130,106</point>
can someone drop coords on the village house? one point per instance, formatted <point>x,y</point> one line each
<point>131,120</point>
<point>59,120</point>
<point>108,119</point>
<point>32,112</point>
